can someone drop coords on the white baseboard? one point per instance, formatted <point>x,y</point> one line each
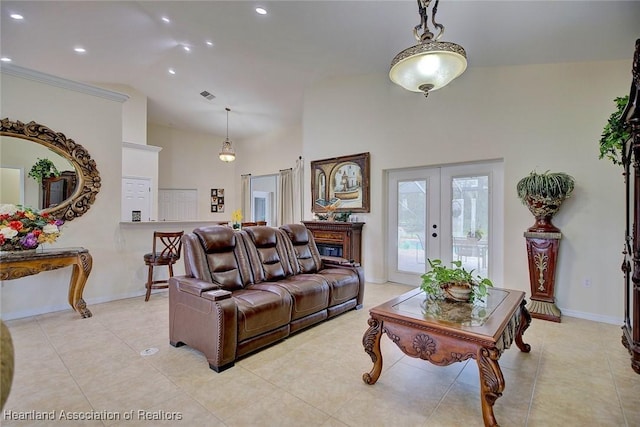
<point>591,316</point>
<point>12,315</point>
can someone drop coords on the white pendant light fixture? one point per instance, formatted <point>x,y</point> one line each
<point>431,64</point>
<point>226,153</point>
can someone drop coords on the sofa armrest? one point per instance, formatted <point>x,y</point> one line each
<point>204,317</point>
<point>193,286</point>
<point>216,295</point>
<point>338,261</point>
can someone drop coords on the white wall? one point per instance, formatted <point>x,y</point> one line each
<point>268,154</point>
<point>544,117</point>
<point>134,113</point>
<point>95,123</point>
<point>190,160</point>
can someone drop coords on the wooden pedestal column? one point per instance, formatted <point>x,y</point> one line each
<point>542,251</point>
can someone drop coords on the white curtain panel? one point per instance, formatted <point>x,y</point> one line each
<point>298,192</point>
<point>285,201</point>
<point>245,194</point>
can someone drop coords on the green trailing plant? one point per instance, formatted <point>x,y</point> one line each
<point>547,185</point>
<point>43,168</point>
<point>615,133</point>
<point>439,277</point>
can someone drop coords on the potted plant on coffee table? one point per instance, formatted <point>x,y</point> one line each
<point>453,283</point>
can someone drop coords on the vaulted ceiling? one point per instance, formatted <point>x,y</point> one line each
<point>260,65</point>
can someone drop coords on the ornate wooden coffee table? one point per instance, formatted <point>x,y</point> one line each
<point>445,332</point>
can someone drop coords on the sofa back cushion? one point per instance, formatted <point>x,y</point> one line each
<point>268,255</point>
<point>224,255</point>
<point>305,255</point>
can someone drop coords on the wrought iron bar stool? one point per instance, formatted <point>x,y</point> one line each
<point>166,251</point>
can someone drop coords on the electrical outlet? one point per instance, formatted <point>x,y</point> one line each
<point>587,283</point>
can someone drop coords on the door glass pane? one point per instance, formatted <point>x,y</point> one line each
<point>412,203</point>
<point>470,222</point>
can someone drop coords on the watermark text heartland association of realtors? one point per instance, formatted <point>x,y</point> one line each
<point>138,415</point>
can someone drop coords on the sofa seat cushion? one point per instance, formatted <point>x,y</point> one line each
<point>343,283</point>
<point>310,293</point>
<point>261,309</point>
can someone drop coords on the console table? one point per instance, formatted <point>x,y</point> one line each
<point>336,238</point>
<point>15,265</point>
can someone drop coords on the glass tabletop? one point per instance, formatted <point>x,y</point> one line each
<point>455,313</point>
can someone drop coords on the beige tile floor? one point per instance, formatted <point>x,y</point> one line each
<point>577,374</point>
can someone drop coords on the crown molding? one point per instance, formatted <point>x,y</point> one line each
<point>26,73</point>
<point>142,147</point>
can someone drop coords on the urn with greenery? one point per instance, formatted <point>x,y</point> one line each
<point>453,283</point>
<point>43,168</point>
<point>543,193</point>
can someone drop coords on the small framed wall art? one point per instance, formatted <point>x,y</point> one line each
<point>217,200</point>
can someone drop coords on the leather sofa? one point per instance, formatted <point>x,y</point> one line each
<point>243,290</point>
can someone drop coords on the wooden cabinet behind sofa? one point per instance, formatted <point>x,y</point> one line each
<point>335,238</point>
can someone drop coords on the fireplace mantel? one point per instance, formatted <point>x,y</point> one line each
<point>337,238</point>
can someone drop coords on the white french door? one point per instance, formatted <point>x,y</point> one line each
<point>452,213</point>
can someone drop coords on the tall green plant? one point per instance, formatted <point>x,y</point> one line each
<point>615,134</point>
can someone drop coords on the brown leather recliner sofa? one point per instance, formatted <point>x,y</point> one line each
<point>244,290</point>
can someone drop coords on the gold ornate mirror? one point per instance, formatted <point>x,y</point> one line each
<point>88,178</point>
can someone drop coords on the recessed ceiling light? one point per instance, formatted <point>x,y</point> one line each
<point>80,50</point>
<point>165,19</point>
<point>17,16</point>
<point>261,10</point>
<point>187,48</point>
<point>209,43</point>
<point>172,71</point>
<point>5,59</point>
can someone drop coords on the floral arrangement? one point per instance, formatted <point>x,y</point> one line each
<point>236,217</point>
<point>21,228</point>
<point>330,212</point>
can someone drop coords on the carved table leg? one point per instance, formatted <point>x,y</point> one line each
<point>525,321</point>
<point>79,278</point>
<point>491,382</point>
<point>371,343</point>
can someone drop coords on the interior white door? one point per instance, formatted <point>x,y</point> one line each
<point>136,196</point>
